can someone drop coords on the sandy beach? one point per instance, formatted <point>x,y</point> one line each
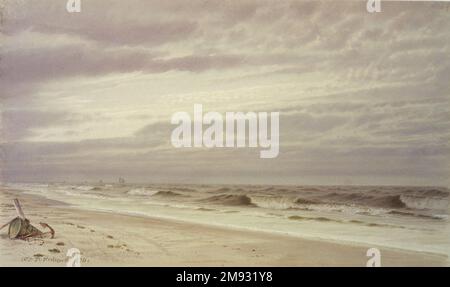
<point>110,239</point>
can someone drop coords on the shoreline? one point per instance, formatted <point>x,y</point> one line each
<point>245,229</point>
<point>137,240</point>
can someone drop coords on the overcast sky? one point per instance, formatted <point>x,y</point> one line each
<point>363,98</point>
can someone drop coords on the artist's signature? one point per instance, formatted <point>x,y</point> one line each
<point>49,259</point>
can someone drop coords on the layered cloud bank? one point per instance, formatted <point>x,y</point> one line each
<point>363,98</point>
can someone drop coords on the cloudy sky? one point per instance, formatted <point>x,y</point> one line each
<point>363,98</point>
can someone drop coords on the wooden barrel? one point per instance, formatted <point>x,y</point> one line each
<point>19,228</point>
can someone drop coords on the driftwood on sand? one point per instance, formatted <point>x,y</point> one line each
<point>21,228</point>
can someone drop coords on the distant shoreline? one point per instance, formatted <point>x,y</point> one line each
<point>94,183</point>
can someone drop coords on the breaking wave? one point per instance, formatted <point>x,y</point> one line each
<point>153,193</point>
<point>168,193</point>
<point>398,201</point>
<point>142,192</point>
<point>230,199</point>
<point>385,198</point>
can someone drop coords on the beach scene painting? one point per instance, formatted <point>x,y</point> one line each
<point>224,133</point>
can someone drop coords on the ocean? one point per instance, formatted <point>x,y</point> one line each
<point>411,218</point>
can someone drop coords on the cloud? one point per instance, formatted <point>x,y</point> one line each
<point>19,124</point>
<point>361,95</point>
